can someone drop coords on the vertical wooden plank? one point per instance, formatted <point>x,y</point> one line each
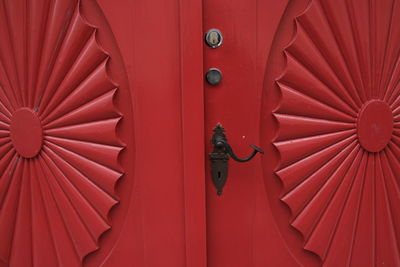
<point>235,104</point>
<point>191,47</point>
<point>157,81</point>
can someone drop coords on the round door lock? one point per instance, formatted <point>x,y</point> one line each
<point>214,76</point>
<point>214,38</point>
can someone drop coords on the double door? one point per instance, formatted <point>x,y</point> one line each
<point>107,118</point>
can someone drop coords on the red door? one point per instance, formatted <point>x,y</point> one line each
<point>316,85</point>
<point>106,123</point>
<point>94,143</point>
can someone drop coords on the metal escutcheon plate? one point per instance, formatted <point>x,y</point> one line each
<point>214,38</point>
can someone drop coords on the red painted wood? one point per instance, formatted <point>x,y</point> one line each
<point>27,144</point>
<point>105,127</point>
<point>327,122</point>
<point>192,93</point>
<point>335,131</point>
<point>168,206</point>
<point>374,125</point>
<point>62,94</point>
<point>119,176</point>
<point>241,230</point>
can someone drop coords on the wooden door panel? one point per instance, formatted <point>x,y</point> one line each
<point>105,183</point>
<point>332,98</point>
<point>326,75</point>
<point>65,143</point>
<point>160,43</point>
<point>241,228</point>
<point>165,223</point>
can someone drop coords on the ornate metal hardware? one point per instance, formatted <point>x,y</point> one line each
<point>220,156</point>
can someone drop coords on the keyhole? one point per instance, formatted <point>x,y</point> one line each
<point>214,38</point>
<point>219,176</point>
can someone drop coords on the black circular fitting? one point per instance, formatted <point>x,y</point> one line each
<point>214,76</point>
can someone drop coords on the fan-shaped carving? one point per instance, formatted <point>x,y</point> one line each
<point>58,143</point>
<point>339,131</point>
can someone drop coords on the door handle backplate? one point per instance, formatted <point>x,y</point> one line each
<point>220,156</point>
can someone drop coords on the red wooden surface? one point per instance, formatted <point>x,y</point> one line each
<point>241,230</point>
<point>336,135</point>
<point>162,48</point>
<point>105,127</point>
<point>64,145</point>
<point>327,92</point>
<point>130,76</point>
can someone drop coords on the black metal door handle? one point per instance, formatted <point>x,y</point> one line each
<point>220,156</point>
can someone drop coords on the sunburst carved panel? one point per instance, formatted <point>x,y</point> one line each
<point>339,131</point>
<point>59,148</point>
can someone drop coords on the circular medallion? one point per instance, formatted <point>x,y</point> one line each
<point>375,125</point>
<point>26,132</point>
